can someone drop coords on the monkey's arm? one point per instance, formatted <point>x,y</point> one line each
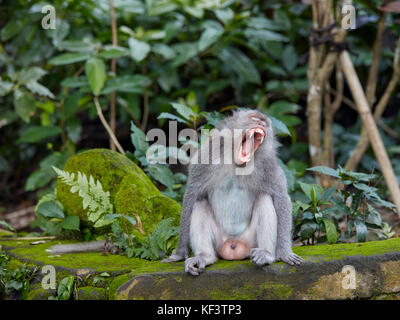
<point>283,208</point>
<point>189,199</point>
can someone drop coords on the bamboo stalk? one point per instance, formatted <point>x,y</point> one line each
<point>371,127</point>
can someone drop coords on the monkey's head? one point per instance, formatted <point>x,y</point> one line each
<point>251,129</point>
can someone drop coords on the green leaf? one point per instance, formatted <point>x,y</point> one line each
<point>50,209</point>
<point>37,133</point>
<point>138,139</point>
<point>129,83</point>
<point>186,51</point>
<point>328,193</point>
<point>39,89</point>
<point>24,105</point>
<point>210,36</point>
<point>279,127</point>
<point>331,232</point>
<point>361,230</point>
<point>164,50</point>
<point>75,82</point>
<point>264,35</point>
<point>166,115</point>
<point>65,288</point>
<point>30,74</point>
<point>240,64</point>
<point>37,179</point>
<point>307,230</point>
<point>224,15</point>
<point>130,219</point>
<point>290,58</point>
<point>5,87</point>
<point>96,74</point>
<point>184,111</point>
<point>76,46</point>
<point>325,170</point>
<point>11,29</point>
<point>138,49</point>
<point>111,52</point>
<point>373,216</point>
<point>314,196</point>
<point>67,58</point>
<point>71,223</point>
<point>162,174</point>
<point>308,187</point>
<point>6,225</point>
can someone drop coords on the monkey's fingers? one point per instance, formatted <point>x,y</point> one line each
<point>194,266</point>
<point>294,260</point>
<point>261,257</point>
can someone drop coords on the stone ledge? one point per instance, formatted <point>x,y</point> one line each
<point>376,265</point>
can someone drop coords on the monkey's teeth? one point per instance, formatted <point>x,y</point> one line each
<point>259,131</point>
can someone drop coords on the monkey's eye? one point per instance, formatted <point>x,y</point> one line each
<point>259,121</point>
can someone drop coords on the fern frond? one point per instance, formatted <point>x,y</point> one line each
<point>94,198</point>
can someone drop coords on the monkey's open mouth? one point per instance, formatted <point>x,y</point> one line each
<point>251,140</point>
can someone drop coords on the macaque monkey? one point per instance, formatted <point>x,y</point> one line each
<point>235,215</point>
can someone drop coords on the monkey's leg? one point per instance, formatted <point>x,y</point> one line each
<point>205,236</point>
<point>262,231</point>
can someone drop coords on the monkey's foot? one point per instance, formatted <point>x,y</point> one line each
<point>261,257</point>
<point>291,258</point>
<point>195,265</point>
<point>172,258</point>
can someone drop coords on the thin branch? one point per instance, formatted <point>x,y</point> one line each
<point>106,126</point>
<point>114,71</point>
<point>146,105</point>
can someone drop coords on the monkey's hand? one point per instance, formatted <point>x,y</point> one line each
<point>289,257</point>
<point>261,257</point>
<point>172,258</point>
<point>195,265</point>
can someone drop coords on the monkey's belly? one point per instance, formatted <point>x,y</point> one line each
<point>234,250</point>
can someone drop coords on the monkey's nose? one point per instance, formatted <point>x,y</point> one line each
<point>233,245</point>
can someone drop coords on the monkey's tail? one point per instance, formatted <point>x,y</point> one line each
<point>93,246</point>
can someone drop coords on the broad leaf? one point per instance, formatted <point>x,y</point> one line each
<point>24,105</point>
<point>331,232</point>
<point>50,209</point>
<point>37,133</point>
<point>138,49</point>
<point>96,74</point>
<point>71,223</point>
<point>67,58</point>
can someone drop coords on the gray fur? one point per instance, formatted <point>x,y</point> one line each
<point>267,178</point>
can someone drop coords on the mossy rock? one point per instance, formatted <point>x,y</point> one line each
<point>376,265</point>
<point>131,191</point>
<point>91,293</point>
<point>36,292</point>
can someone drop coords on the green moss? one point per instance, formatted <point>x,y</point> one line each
<point>266,290</point>
<point>131,191</point>
<point>36,292</point>
<point>91,293</point>
<point>118,263</point>
<point>340,251</point>
<point>115,284</point>
<point>93,261</point>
